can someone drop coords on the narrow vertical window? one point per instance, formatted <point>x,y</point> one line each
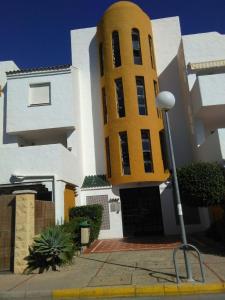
<point>116,49</point>
<point>156,90</point>
<point>104,106</point>
<point>101,59</point>
<point>152,56</point>
<point>136,47</point>
<point>120,97</point>
<point>124,153</point>
<point>147,152</point>
<point>108,160</point>
<point>142,106</point>
<point>162,138</point>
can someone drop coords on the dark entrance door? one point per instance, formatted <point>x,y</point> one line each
<point>141,211</point>
<point>7,232</point>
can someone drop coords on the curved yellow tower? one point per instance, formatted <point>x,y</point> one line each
<point>132,125</point>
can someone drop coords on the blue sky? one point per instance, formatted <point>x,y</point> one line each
<point>37,33</point>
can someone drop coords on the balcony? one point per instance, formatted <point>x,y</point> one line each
<point>52,159</point>
<point>208,93</point>
<point>213,149</point>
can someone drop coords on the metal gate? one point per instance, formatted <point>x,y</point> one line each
<point>7,232</point>
<point>141,211</point>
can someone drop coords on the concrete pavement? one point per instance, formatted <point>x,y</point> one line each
<point>122,270</point>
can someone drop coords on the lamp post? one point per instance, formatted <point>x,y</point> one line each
<point>165,101</point>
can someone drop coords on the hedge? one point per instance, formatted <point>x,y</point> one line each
<point>202,184</point>
<point>92,213</point>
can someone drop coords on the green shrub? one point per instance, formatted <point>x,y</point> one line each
<point>202,184</point>
<point>93,213</point>
<point>52,248</point>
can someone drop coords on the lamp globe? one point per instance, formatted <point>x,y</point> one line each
<point>165,100</point>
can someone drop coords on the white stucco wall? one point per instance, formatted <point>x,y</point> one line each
<point>38,160</point>
<point>202,47</point>
<point>167,41</point>
<point>84,41</point>
<point>213,148</point>
<point>169,214</point>
<point>5,66</point>
<point>116,229</point>
<point>23,117</point>
<point>212,89</point>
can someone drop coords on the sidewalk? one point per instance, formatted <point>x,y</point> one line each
<point>148,272</point>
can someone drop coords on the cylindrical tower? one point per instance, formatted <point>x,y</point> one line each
<point>132,125</point>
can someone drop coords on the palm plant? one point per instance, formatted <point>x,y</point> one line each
<point>54,247</point>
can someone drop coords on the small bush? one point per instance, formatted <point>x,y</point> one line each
<point>93,213</point>
<point>52,248</point>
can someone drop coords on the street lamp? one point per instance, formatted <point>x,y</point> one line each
<point>165,101</point>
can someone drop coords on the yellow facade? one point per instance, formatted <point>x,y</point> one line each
<point>69,200</point>
<point>123,17</point>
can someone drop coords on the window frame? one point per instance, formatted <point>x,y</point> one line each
<point>148,161</point>
<point>136,48</point>
<point>143,97</point>
<point>124,153</point>
<point>120,100</point>
<point>116,55</point>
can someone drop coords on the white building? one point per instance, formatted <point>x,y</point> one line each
<point>59,125</point>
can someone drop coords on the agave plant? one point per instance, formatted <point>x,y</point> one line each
<point>54,247</point>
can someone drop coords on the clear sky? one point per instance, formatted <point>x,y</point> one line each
<point>36,33</point>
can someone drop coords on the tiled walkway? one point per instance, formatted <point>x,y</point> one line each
<point>128,244</point>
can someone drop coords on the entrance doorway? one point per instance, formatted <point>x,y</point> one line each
<point>141,211</point>
<point>7,232</point>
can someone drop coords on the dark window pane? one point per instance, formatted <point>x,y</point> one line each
<point>136,47</point>
<point>142,106</point>
<point>124,153</point>
<point>116,49</point>
<point>147,152</point>
<point>108,160</point>
<point>120,97</point>
<point>104,104</point>
<point>101,59</point>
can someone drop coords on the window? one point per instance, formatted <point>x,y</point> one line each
<point>116,49</point>
<point>101,59</point>
<point>124,153</point>
<point>152,56</point>
<point>136,47</point>
<point>120,97</point>
<point>142,106</point>
<point>104,105</point>
<point>156,90</point>
<point>108,160</point>
<point>147,152</point>
<point>39,94</point>
<point>162,138</point>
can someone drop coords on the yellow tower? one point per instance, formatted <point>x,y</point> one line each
<point>133,127</point>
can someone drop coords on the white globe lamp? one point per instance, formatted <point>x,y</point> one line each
<point>165,100</point>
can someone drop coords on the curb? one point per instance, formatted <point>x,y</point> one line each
<point>121,291</point>
<point>136,291</point>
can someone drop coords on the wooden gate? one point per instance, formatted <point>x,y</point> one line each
<point>44,215</point>
<point>7,232</point>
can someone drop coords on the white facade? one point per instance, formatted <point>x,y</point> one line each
<point>52,125</point>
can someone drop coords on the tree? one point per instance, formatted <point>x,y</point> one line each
<point>202,184</point>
